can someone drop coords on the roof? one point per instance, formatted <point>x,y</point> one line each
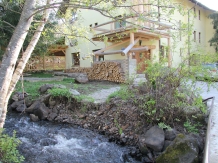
<point>201,5</point>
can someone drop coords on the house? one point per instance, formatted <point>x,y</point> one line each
<point>132,41</point>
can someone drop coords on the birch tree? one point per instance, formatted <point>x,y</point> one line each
<point>8,74</point>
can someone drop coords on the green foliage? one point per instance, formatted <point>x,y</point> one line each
<point>124,93</point>
<point>84,98</point>
<point>8,149</point>
<point>214,40</point>
<point>118,126</point>
<point>164,126</point>
<point>167,92</point>
<point>69,80</point>
<point>60,92</point>
<point>191,127</point>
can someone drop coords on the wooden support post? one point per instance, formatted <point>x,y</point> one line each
<point>132,38</point>
<point>169,54</point>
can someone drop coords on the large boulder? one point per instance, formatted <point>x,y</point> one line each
<point>42,111</point>
<point>184,149</point>
<point>19,96</point>
<point>170,134</point>
<point>21,108</point>
<point>154,138</point>
<point>15,104</point>
<point>45,87</point>
<point>34,118</point>
<point>82,78</point>
<point>34,106</point>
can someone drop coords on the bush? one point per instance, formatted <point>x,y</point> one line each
<point>8,149</point>
<point>60,92</point>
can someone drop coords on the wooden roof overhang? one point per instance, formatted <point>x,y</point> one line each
<point>123,34</point>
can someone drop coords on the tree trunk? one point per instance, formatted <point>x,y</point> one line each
<point>11,55</point>
<point>26,55</point>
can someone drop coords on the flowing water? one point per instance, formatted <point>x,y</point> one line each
<point>46,142</point>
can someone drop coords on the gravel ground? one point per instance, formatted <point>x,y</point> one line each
<point>101,96</point>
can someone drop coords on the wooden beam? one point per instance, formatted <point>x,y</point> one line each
<point>125,51</point>
<point>111,52</point>
<point>101,29</point>
<point>145,48</point>
<point>139,49</point>
<point>112,46</point>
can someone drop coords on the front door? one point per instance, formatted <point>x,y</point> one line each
<point>141,58</point>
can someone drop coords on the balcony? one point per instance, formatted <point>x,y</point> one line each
<point>119,30</point>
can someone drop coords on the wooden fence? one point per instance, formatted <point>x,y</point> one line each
<point>46,63</point>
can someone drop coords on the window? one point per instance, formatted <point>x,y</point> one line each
<point>199,15</point>
<point>194,12</point>
<point>194,36</point>
<point>199,35</point>
<point>75,59</point>
<point>120,24</point>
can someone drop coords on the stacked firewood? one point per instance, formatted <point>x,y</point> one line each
<point>110,71</point>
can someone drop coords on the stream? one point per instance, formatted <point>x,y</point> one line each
<point>47,142</point>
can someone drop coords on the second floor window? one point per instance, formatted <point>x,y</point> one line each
<point>199,37</point>
<point>194,33</point>
<point>199,15</point>
<point>119,24</point>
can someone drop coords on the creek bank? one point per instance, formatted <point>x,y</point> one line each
<point>122,121</point>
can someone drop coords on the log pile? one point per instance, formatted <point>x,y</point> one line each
<point>110,71</point>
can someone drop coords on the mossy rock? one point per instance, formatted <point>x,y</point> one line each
<point>184,149</point>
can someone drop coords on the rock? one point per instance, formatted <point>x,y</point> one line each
<point>170,134</point>
<point>166,144</point>
<point>28,102</point>
<point>142,146</point>
<point>74,92</point>
<point>33,107</point>
<point>52,116</point>
<point>60,74</point>
<point>184,149</point>
<point>45,99</point>
<point>82,78</point>
<point>34,118</point>
<point>15,104</point>
<point>73,75</point>
<point>42,111</point>
<point>21,108</point>
<point>154,138</point>
<point>52,102</point>
<point>45,87</point>
<point>19,96</point>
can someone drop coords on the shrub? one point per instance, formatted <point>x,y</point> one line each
<point>60,92</point>
<point>8,149</point>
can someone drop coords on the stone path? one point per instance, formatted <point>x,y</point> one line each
<point>102,95</point>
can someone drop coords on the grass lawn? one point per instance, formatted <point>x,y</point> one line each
<point>84,89</point>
